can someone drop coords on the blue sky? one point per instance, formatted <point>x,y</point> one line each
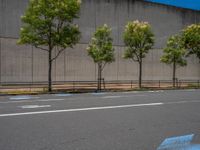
<point>189,4</point>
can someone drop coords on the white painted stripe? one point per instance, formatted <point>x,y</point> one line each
<point>120,96</point>
<point>182,102</point>
<point>49,100</point>
<point>155,91</point>
<point>131,92</point>
<point>80,109</point>
<point>30,101</point>
<point>112,97</point>
<point>34,106</point>
<point>96,108</point>
<point>23,97</point>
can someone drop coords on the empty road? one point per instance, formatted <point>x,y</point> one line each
<point>98,121</point>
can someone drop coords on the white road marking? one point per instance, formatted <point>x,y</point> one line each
<point>130,92</point>
<point>120,96</point>
<point>112,96</point>
<point>80,109</point>
<point>30,101</point>
<point>156,91</point>
<point>96,108</point>
<point>25,97</point>
<point>49,100</point>
<point>34,106</point>
<point>97,93</point>
<point>63,95</point>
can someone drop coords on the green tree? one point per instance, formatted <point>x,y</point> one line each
<point>48,24</point>
<point>191,39</point>
<point>138,39</point>
<point>101,50</point>
<point>174,54</point>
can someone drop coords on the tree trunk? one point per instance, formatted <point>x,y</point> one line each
<point>99,76</point>
<point>174,74</point>
<point>140,74</point>
<point>50,73</point>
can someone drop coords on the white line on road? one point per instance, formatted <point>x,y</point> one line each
<point>23,97</point>
<point>130,92</point>
<point>95,108</point>
<point>34,106</point>
<point>120,96</point>
<point>112,96</point>
<point>80,109</point>
<point>30,101</point>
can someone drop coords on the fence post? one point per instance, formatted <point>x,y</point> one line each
<point>104,83</point>
<point>131,84</point>
<point>73,86</point>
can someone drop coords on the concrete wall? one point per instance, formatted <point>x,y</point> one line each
<point>25,63</point>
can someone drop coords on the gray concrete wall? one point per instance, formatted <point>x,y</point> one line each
<point>25,63</point>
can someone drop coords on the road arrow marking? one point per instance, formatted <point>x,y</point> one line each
<point>179,143</point>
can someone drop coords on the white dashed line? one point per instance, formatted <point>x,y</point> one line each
<point>120,96</point>
<point>30,101</point>
<point>112,97</point>
<point>22,97</point>
<point>34,106</point>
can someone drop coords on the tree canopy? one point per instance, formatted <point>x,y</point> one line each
<point>191,39</point>
<point>174,52</point>
<point>101,48</point>
<point>139,39</point>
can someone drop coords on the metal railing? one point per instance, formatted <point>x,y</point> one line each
<point>92,85</point>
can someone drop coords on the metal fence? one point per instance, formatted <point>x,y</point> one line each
<point>92,85</point>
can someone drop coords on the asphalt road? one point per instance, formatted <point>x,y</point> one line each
<point>106,121</point>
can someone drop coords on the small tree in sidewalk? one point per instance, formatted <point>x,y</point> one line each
<point>101,50</point>
<point>174,54</point>
<point>48,24</point>
<point>138,39</point>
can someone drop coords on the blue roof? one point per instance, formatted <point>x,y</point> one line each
<point>188,4</point>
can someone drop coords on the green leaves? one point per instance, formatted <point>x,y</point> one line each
<point>100,48</point>
<point>174,52</point>
<point>139,39</point>
<point>191,39</point>
<point>49,23</point>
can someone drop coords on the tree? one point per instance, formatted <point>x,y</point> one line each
<point>174,54</point>
<point>138,39</point>
<point>101,50</point>
<point>191,39</point>
<point>49,24</point>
